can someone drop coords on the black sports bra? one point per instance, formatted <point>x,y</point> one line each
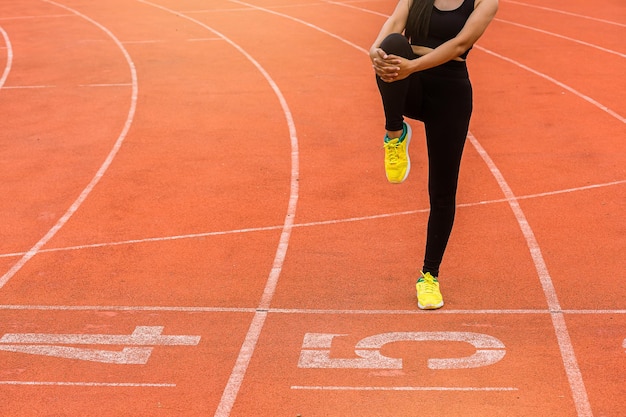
<point>446,24</point>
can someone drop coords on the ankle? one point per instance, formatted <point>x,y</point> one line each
<point>394,134</point>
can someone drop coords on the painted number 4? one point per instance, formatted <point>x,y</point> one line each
<point>137,348</point>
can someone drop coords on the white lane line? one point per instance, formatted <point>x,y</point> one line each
<point>45,16</point>
<point>17,87</point>
<point>347,388</point>
<point>150,41</point>
<point>610,22</point>
<point>179,309</point>
<point>107,85</point>
<point>554,81</point>
<point>139,42</point>
<point>545,32</point>
<point>304,23</point>
<point>402,312</point>
<point>346,4</point>
<point>252,310</point>
<point>244,357</point>
<point>310,224</point>
<point>147,240</point>
<point>103,168</point>
<point>533,245</point>
<point>9,61</point>
<point>441,311</point>
<point>574,375</point>
<point>586,311</point>
<point>239,9</point>
<point>203,39</point>
<point>235,380</point>
<point>87,384</point>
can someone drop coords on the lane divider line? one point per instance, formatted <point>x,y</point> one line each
<point>309,224</point>
<point>17,87</point>
<point>545,32</point>
<point>610,22</point>
<point>88,384</point>
<point>304,23</point>
<point>244,357</point>
<point>9,62</point>
<point>574,375</point>
<point>554,81</point>
<point>45,16</point>
<point>347,388</point>
<point>103,168</point>
<point>252,310</point>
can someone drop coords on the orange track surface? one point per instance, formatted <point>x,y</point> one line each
<point>185,233</point>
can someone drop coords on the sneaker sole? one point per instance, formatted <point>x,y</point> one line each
<point>429,307</point>
<point>409,133</point>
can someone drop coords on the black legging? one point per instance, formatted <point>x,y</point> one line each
<point>441,97</point>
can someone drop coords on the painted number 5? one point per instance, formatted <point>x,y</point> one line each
<point>316,350</point>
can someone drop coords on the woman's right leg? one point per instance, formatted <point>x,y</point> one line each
<point>402,97</point>
<point>394,95</point>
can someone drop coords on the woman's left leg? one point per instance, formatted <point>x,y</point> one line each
<point>448,109</point>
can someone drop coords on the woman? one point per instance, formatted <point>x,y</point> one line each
<point>419,59</point>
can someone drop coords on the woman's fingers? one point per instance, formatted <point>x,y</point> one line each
<point>385,70</point>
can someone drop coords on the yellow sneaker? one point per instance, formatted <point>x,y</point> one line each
<point>428,294</point>
<point>397,162</point>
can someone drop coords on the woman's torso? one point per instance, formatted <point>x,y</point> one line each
<point>446,22</point>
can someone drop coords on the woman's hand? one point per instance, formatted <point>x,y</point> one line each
<point>389,68</point>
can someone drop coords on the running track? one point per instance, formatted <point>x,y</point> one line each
<point>185,233</point>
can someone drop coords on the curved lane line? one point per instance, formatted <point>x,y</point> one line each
<point>103,168</point>
<point>554,81</point>
<point>244,357</point>
<point>361,9</point>
<point>9,63</point>
<point>302,22</point>
<point>610,22</point>
<point>567,38</point>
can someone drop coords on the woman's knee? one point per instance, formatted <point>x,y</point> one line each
<point>397,44</point>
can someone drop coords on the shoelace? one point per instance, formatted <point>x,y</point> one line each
<point>428,285</point>
<point>391,148</point>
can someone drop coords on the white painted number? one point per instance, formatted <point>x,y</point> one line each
<point>316,350</point>
<point>48,345</point>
